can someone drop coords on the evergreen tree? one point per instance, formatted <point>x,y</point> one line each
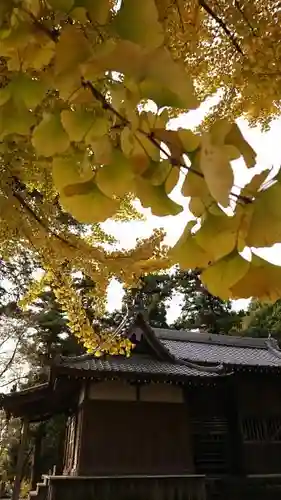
<point>200,309</point>
<point>204,311</point>
<point>263,319</point>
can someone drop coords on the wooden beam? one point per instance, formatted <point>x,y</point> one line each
<point>20,459</point>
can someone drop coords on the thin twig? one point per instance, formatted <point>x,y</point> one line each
<point>16,379</point>
<point>11,360</point>
<point>39,221</point>
<point>239,8</point>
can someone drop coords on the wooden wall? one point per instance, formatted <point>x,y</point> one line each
<point>259,406</point>
<point>234,428</point>
<point>130,430</point>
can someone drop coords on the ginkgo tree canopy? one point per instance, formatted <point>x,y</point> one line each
<point>76,138</point>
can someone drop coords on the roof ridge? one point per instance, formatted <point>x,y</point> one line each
<point>166,354</point>
<point>273,347</point>
<point>211,338</point>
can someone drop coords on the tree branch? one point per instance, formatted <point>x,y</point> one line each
<point>239,8</point>
<point>11,360</point>
<point>16,379</point>
<point>39,221</point>
<point>222,24</point>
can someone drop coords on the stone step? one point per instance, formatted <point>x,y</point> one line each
<point>40,493</point>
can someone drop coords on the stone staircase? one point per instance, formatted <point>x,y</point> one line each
<point>41,492</point>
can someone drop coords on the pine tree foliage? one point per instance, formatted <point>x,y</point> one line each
<point>198,308</point>
<point>75,138</point>
<point>204,311</point>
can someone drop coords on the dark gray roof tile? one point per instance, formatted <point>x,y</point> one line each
<point>210,338</point>
<point>201,352</point>
<point>136,364</point>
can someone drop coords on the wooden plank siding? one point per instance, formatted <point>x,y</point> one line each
<point>131,437</point>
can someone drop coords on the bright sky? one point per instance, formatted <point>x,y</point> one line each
<point>269,154</point>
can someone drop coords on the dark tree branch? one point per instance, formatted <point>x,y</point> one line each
<point>239,8</point>
<point>222,24</point>
<point>11,360</point>
<point>29,210</point>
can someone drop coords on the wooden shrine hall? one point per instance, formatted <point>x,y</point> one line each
<point>188,416</point>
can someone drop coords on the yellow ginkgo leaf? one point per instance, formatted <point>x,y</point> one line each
<point>218,234</point>
<point>235,138</point>
<point>98,129</point>
<point>263,281</point>
<point>79,14</point>
<point>172,141</point>
<point>155,197</point>
<point>217,170</point>
<point>189,140</point>
<point>187,253</point>
<point>102,149</point>
<point>245,212</point>
<point>139,149</point>
<point>158,172</point>
<point>91,207</point>
<point>266,207</point>
<point>220,277</point>
<point>166,82</point>
<point>62,5</point>
<point>251,189</point>
<point>5,94</point>
<point>30,91</point>
<point>194,185</point>
<point>117,178</point>
<point>197,207</point>
<point>219,130</point>
<point>172,179</point>
<point>49,137</point>
<point>77,123</point>
<point>99,10</point>
<point>15,119</point>
<point>138,22</point>
<point>123,56</point>
<point>70,170</point>
<point>39,54</point>
<point>72,49</point>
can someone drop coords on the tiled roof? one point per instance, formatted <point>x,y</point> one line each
<point>136,364</point>
<point>178,354</point>
<point>207,348</point>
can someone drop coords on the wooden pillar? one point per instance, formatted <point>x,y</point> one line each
<point>61,448</point>
<point>20,459</point>
<point>36,470</point>
<point>235,437</point>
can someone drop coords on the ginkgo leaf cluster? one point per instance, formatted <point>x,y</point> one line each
<point>232,46</point>
<point>76,138</point>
